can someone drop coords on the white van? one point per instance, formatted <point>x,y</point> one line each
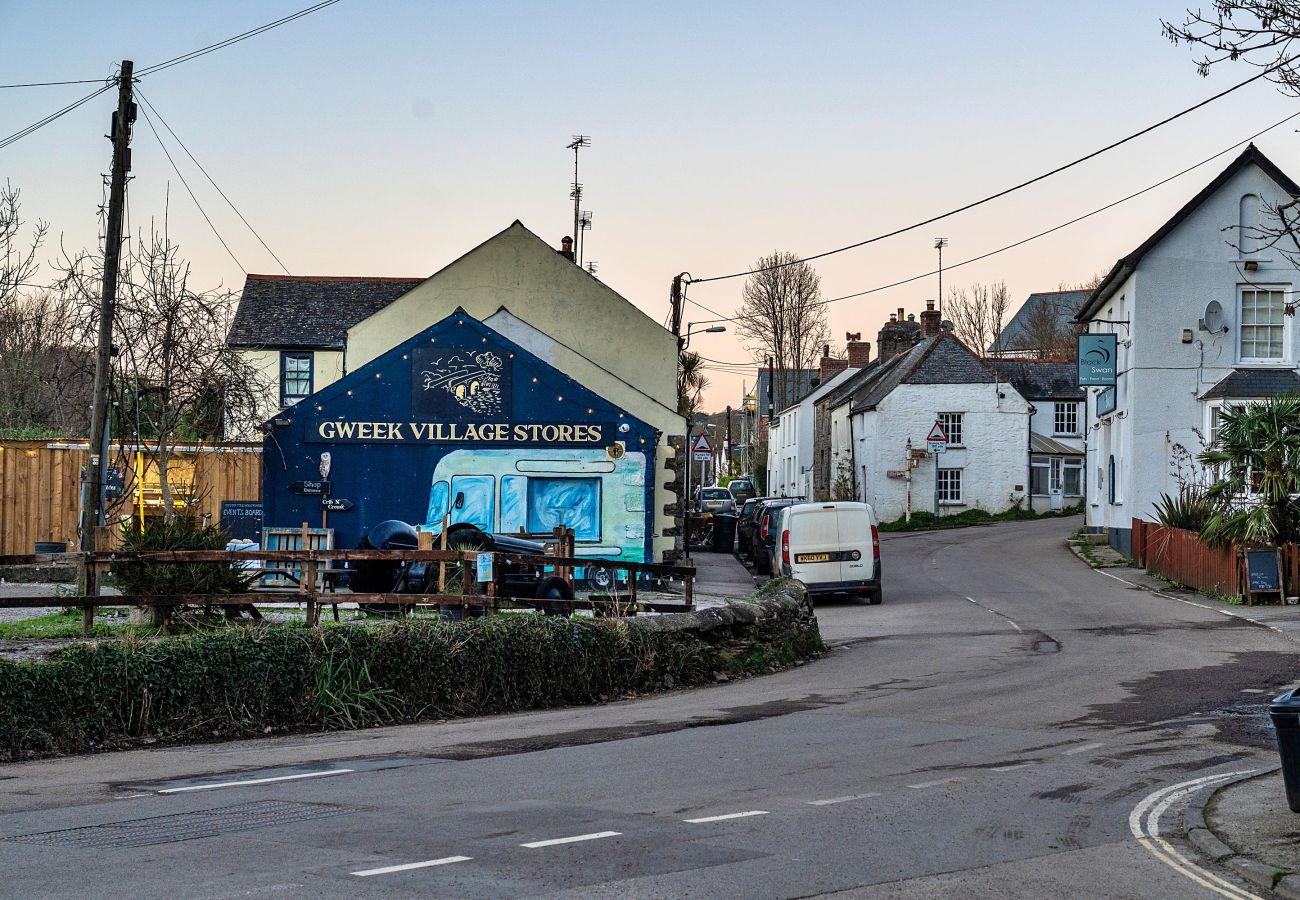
<point>832,548</point>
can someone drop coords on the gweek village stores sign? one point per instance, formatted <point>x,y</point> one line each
<point>497,434</point>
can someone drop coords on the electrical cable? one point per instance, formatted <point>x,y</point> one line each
<point>203,51</point>
<point>36,126</point>
<point>1023,241</point>
<point>32,84</point>
<point>211,181</point>
<point>1002,193</point>
<point>202,212</point>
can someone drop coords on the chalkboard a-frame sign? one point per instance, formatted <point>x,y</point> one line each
<point>1263,573</point>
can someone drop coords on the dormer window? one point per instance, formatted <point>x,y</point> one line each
<point>1262,333</point>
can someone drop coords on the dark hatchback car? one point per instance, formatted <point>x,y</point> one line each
<point>764,534</point>
<point>742,490</point>
<point>746,522</point>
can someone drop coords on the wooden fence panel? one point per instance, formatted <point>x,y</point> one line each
<point>1179,555</point>
<point>40,487</point>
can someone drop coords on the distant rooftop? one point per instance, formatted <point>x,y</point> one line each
<point>309,311</point>
<point>1017,335</point>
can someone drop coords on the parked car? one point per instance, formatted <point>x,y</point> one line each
<point>764,535</point>
<point>715,500</point>
<point>831,548</point>
<point>745,525</point>
<point>742,490</point>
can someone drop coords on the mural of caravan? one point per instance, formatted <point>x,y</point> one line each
<point>534,489</point>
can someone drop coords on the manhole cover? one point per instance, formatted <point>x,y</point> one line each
<point>182,826</point>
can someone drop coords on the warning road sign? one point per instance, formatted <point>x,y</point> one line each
<point>701,449</point>
<point>937,441</point>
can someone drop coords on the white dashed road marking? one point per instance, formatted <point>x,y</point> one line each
<point>226,784</point>
<point>739,815</point>
<point>1084,749</point>
<point>848,799</point>
<point>406,867</point>
<point>1010,768</point>
<point>594,836</point>
<point>929,784</point>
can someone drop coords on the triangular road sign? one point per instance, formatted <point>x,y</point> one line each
<point>702,444</point>
<point>937,434</point>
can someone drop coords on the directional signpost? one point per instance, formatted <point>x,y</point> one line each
<point>336,505</point>
<point>310,488</point>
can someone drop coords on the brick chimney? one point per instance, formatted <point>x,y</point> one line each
<point>859,353</point>
<point>829,365</point>
<point>566,249</point>
<point>929,320</point>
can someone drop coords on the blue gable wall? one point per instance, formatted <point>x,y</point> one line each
<point>461,401</point>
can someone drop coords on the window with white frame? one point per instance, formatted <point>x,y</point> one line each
<point>295,377</point>
<point>1212,424</point>
<point>1074,478</point>
<point>1261,331</point>
<point>1065,418</point>
<point>950,422</point>
<point>950,485</point>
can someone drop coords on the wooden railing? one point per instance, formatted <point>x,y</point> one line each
<point>319,570</point>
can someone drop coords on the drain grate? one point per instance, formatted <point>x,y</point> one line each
<point>182,826</point>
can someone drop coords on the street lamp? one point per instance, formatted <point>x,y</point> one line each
<point>686,339</point>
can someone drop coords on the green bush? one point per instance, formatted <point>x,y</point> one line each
<point>181,533</point>
<point>249,680</point>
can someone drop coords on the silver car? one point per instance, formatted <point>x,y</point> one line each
<point>715,500</point>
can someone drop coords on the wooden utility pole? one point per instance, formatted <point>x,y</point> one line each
<point>92,505</point>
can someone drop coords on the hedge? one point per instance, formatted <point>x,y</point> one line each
<point>250,680</point>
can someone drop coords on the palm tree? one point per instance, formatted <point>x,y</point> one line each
<point>1257,455</point>
<point>691,382</point>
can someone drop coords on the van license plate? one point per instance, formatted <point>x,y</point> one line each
<point>812,557</point>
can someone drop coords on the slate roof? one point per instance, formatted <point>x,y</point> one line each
<point>818,391</point>
<point>1125,266</point>
<point>941,359</point>
<point>1040,379</point>
<point>797,383</point>
<point>844,392</point>
<point>311,311</point>
<point>1244,383</point>
<point>1015,335</point>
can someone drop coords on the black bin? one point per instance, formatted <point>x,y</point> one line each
<point>1285,711</point>
<point>724,532</point>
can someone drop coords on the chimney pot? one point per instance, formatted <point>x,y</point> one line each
<point>930,323</point>
<point>566,249</point>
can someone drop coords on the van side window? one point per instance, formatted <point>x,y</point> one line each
<point>514,503</point>
<point>572,502</point>
<point>437,504</point>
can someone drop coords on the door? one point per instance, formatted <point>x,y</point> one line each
<point>855,537</point>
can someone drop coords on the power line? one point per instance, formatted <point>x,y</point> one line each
<point>202,212</point>
<point>1034,237</point>
<point>1012,189</point>
<point>32,84</point>
<point>37,126</point>
<point>229,202</point>
<point>211,48</point>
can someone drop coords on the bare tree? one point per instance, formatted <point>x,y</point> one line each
<point>46,367</point>
<point>1047,332</point>
<point>978,314</point>
<point>174,379</point>
<point>18,262</point>
<point>781,316</point>
<point>1088,284</point>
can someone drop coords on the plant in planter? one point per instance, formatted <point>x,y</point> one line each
<point>1257,460</point>
<point>183,532</point>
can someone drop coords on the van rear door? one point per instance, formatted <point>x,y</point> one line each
<point>855,534</point>
<point>814,543</point>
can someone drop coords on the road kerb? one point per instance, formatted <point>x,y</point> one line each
<point>1196,825</point>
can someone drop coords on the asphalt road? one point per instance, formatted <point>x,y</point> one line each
<point>987,732</point>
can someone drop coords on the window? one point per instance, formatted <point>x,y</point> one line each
<point>1261,324</point>
<point>1213,431</point>
<point>1065,419</point>
<point>950,422</point>
<point>1038,477</point>
<point>572,502</point>
<point>1054,483</point>
<point>1112,489</point>
<point>472,500</point>
<point>1073,478</point>
<point>950,485</point>
<point>295,377</point>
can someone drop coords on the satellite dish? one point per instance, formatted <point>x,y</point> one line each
<point>1213,319</point>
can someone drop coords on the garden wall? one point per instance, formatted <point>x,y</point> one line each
<point>245,681</point>
<point>1179,555</point>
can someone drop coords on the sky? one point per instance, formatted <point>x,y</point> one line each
<point>388,138</point>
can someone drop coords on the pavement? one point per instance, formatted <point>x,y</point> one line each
<point>719,577</point>
<point>1009,723</point>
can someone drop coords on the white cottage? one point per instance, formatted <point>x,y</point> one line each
<point>985,417</point>
<point>792,440</point>
<point>1203,313</point>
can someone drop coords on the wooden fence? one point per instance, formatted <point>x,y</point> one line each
<point>1179,555</point>
<point>40,486</point>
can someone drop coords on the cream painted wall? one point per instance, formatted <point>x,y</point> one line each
<point>327,369</point>
<point>519,271</point>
